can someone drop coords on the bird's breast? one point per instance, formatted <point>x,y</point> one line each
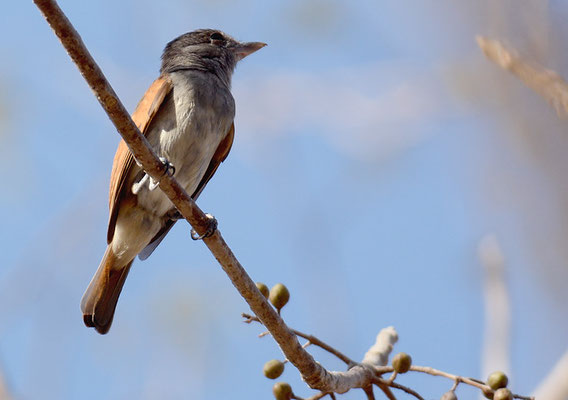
<point>188,131</point>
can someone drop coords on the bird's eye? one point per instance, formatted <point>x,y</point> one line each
<point>216,36</point>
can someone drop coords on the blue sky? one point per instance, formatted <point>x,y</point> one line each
<point>375,147</point>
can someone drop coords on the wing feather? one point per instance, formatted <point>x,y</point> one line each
<point>220,155</point>
<point>123,160</point>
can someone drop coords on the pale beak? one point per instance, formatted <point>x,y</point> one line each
<point>242,50</point>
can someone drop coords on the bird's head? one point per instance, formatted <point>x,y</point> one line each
<point>207,50</point>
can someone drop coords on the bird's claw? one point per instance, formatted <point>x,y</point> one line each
<point>169,170</point>
<point>211,228</point>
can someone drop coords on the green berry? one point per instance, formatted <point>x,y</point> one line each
<point>263,289</point>
<point>449,396</point>
<point>273,369</point>
<point>401,363</point>
<point>279,296</point>
<point>503,394</point>
<point>497,380</point>
<point>282,391</point>
<point>488,393</point>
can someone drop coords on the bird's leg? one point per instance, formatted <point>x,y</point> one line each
<point>136,186</point>
<point>211,228</point>
<point>169,169</point>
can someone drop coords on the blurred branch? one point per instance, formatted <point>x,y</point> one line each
<point>555,385</point>
<point>4,392</point>
<point>313,373</point>
<point>497,308</point>
<point>547,83</point>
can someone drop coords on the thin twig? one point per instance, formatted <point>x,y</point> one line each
<point>311,340</point>
<point>386,390</point>
<point>470,381</point>
<point>518,396</point>
<point>436,372</point>
<point>369,392</point>
<point>317,396</point>
<point>315,341</point>
<point>379,381</point>
<point>455,385</point>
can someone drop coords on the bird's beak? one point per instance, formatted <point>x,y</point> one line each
<point>242,50</point>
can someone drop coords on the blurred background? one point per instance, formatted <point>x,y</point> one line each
<point>375,148</point>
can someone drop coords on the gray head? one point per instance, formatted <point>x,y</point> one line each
<point>207,50</point>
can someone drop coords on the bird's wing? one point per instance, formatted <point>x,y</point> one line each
<point>220,155</point>
<point>123,159</point>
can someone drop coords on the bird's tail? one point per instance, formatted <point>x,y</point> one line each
<point>100,298</point>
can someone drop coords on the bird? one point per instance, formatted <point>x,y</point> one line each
<point>187,115</point>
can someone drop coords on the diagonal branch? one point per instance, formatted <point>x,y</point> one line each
<point>547,83</point>
<point>555,386</point>
<point>314,374</point>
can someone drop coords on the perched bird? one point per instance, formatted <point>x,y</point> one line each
<point>187,116</point>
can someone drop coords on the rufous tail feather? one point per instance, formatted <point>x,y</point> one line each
<point>100,298</point>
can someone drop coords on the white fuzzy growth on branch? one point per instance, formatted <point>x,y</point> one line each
<point>378,354</point>
<point>555,385</point>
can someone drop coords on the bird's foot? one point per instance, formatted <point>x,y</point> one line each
<point>137,186</point>
<point>211,228</point>
<point>169,170</point>
<point>174,215</point>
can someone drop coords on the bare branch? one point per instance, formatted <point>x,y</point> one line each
<point>555,385</point>
<point>317,396</point>
<point>311,340</point>
<point>378,354</point>
<point>370,394</point>
<point>380,381</point>
<point>497,308</point>
<point>386,390</point>
<point>547,83</point>
<point>470,381</point>
<point>4,392</point>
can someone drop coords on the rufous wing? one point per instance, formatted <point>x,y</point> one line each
<point>220,155</point>
<point>123,159</point>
